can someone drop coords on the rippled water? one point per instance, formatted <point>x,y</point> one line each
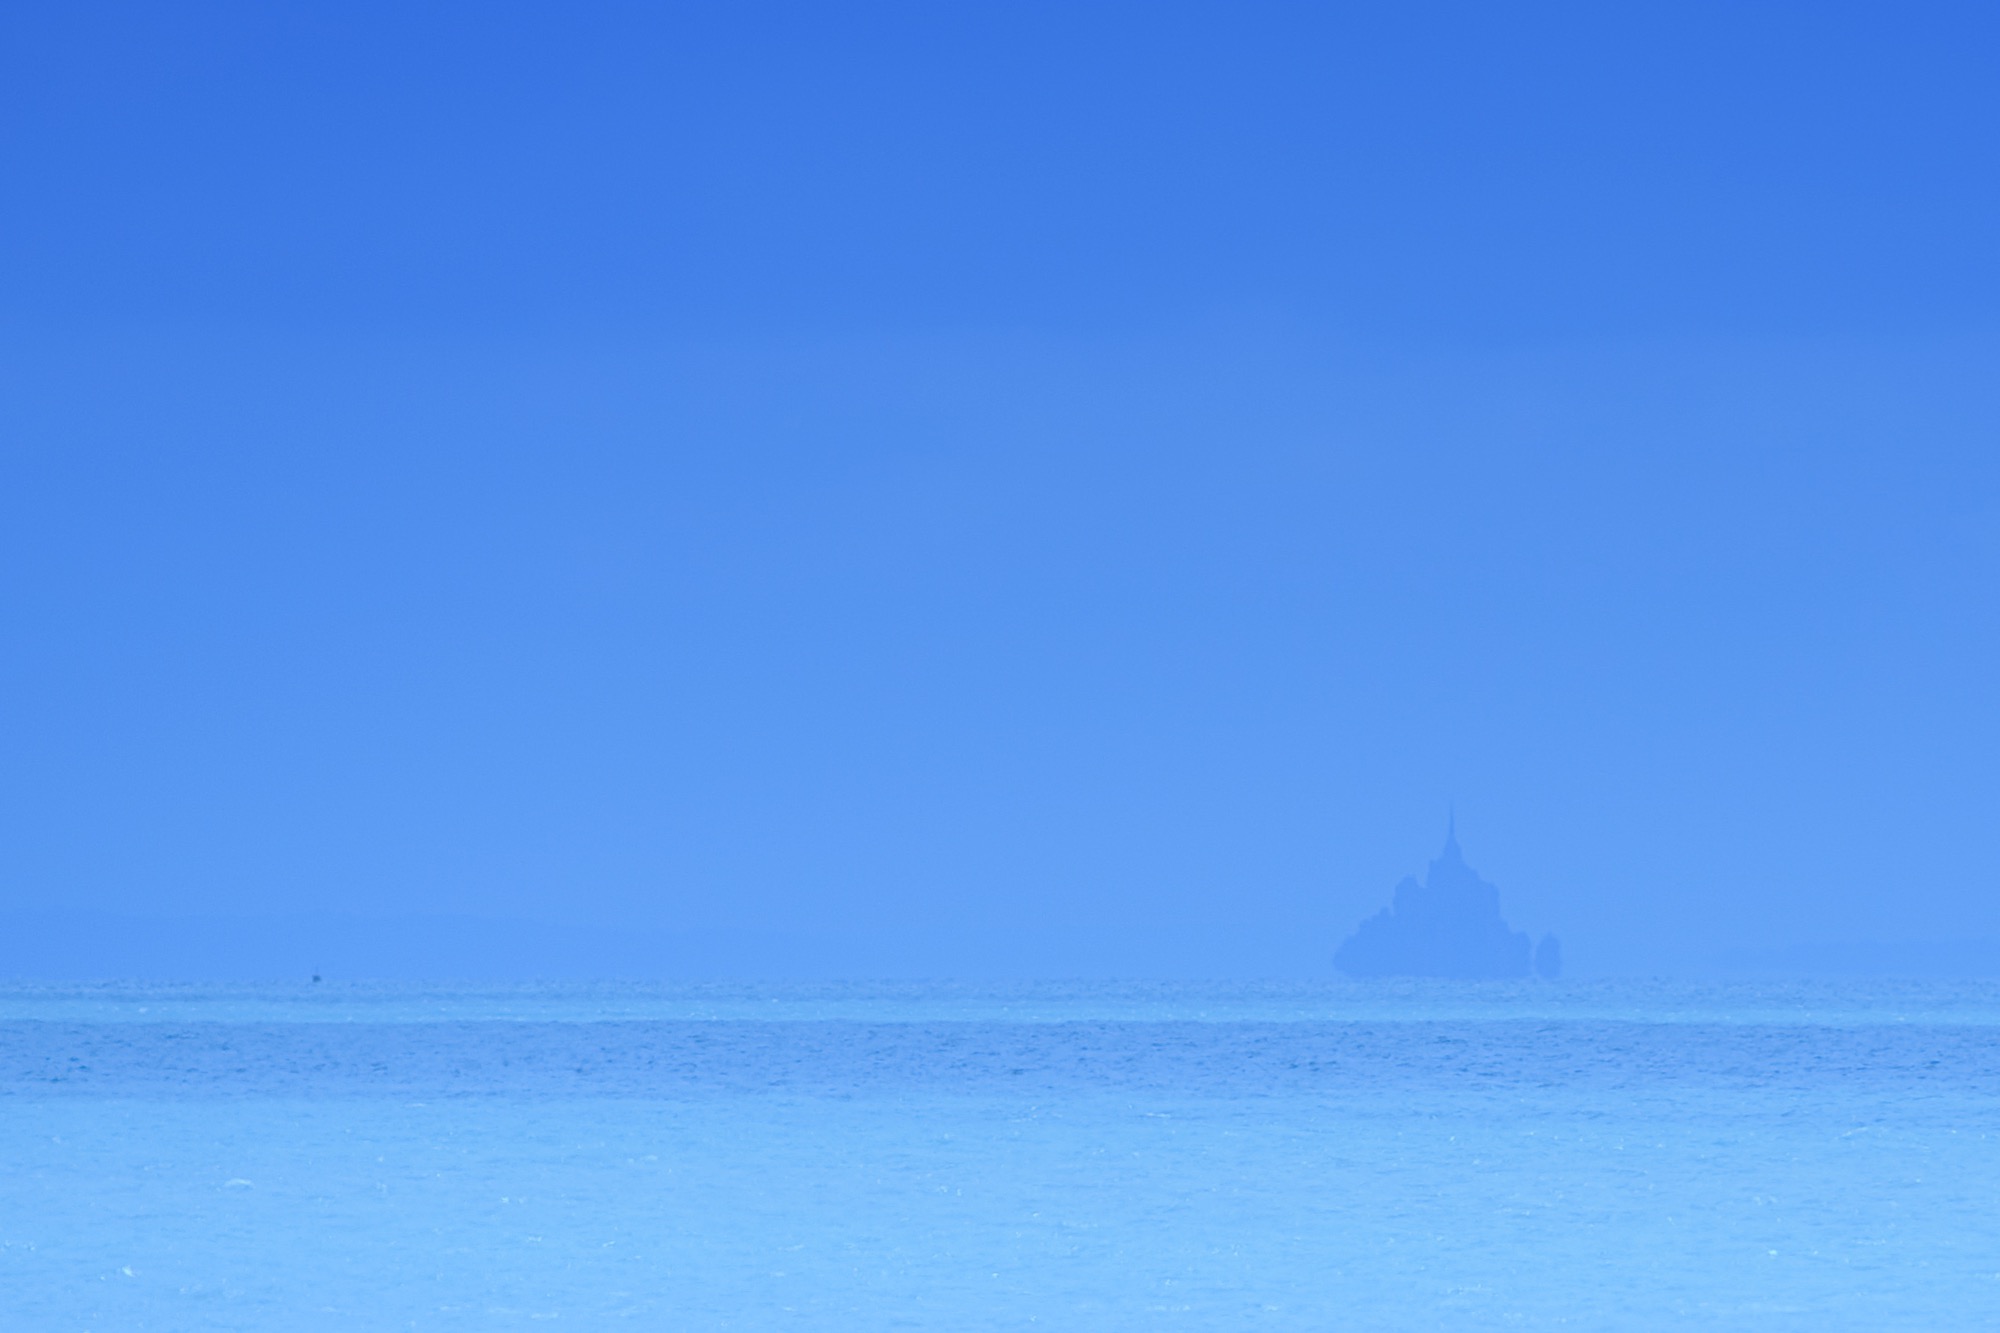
<point>1414,1156</point>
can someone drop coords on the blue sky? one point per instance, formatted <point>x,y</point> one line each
<point>936,473</point>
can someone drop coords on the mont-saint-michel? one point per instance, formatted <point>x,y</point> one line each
<point>1449,925</point>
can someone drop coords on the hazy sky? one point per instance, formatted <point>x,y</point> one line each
<point>957,468</point>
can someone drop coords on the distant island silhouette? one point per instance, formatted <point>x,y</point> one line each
<point>1448,926</point>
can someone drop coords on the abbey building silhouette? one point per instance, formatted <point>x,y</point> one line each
<point>1447,926</point>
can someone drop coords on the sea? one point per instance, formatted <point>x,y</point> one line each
<point>1591,1155</point>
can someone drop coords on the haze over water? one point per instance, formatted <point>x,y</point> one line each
<point>884,507</point>
<point>991,491</point>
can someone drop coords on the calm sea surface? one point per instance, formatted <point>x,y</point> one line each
<point>867,1157</point>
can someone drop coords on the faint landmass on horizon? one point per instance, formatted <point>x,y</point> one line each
<point>1449,925</point>
<point>106,946</point>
